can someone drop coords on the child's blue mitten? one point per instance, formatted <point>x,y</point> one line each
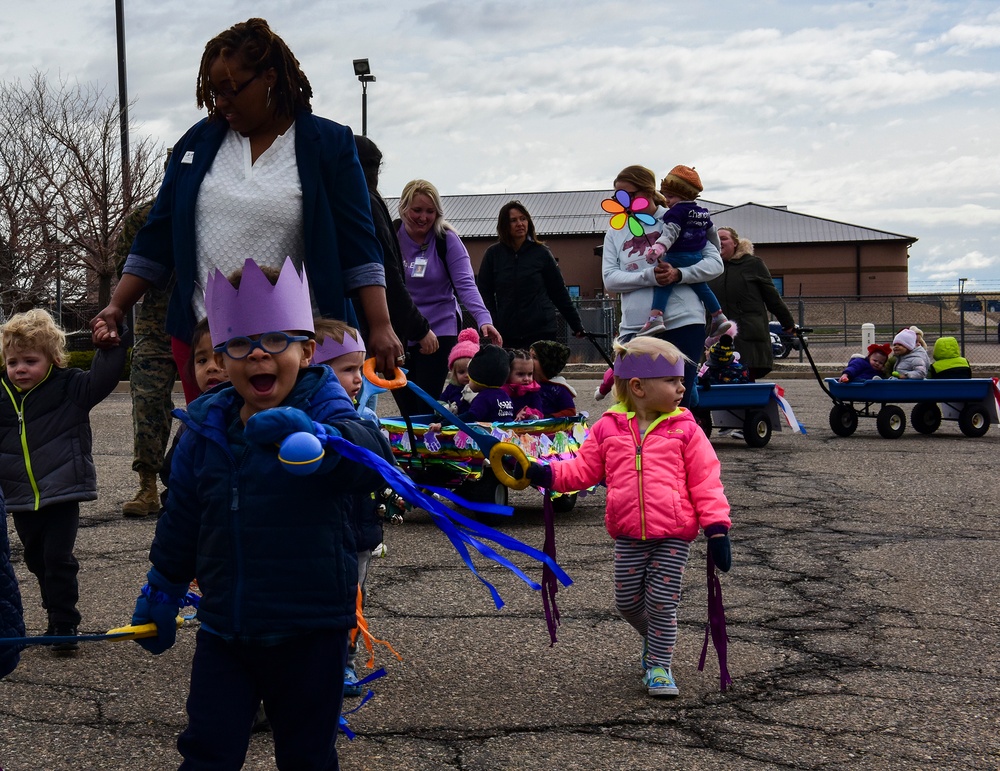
<point>272,426</point>
<point>159,602</point>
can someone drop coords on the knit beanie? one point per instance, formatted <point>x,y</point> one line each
<point>883,348</point>
<point>466,347</point>
<point>907,338</point>
<point>552,356</point>
<point>490,366</point>
<point>683,181</point>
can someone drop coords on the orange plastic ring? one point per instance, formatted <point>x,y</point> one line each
<point>369,372</point>
<point>502,450</point>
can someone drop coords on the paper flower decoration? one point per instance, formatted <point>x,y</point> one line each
<point>621,208</point>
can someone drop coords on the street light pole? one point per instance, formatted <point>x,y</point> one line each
<point>364,72</point>
<point>961,312</point>
<point>123,105</point>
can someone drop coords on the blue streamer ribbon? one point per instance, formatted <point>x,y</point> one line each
<point>364,700</point>
<point>462,531</point>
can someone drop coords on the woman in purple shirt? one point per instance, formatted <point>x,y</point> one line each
<point>437,283</point>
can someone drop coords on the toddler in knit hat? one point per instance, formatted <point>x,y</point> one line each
<point>687,228</point>
<point>488,371</point>
<point>912,361</point>
<point>457,395</point>
<point>870,367</point>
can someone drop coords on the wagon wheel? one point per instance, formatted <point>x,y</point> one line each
<point>757,429</point>
<point>843,419</point>
<point>926,417</point>
<point>564,503</point>
<point>891,421</point>
<point>486,489</point>
<point>974,420</point>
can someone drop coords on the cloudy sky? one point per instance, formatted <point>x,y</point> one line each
<point>884,114</point>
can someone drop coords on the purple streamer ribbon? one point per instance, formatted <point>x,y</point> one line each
<point>716,626</point>
<point>550,584</point>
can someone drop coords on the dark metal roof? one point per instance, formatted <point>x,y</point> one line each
<point>577,213</point>
<point>778,225</point>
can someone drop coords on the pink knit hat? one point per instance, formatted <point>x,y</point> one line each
<point>466,347</point>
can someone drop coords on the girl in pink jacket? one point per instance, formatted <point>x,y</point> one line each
<point>663,485</point>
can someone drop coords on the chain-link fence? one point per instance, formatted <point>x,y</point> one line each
<point>973,319</point>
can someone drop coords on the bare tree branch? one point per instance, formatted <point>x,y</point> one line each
<point>62,202</point>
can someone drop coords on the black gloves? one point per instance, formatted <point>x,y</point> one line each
<point>539,475</point>
<point>719,546</point>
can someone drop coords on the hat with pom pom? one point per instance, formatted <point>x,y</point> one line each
<point>466,347</point>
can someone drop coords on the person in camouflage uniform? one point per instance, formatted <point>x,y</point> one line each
<point>151,380</point>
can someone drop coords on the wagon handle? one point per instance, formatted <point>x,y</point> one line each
<point>398,380</point>
<point>490,446</point>
<point>798,332</point>
<point>592,337</point>
<point>502,450</point>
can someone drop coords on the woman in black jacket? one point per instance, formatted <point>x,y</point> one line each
<point>521,284</point>
<point>407,321</point>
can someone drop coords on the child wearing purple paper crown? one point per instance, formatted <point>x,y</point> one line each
<point>341,348</point>
<point>663,481</point>
<point>687,227</point>
<point>274,553</point>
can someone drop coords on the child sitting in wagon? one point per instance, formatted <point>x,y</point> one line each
<point>870,367</point>
<point>911,360</point>
<point>558,396</point>
<point>948,360</point>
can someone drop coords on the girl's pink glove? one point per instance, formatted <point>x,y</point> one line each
<point>656,250</point>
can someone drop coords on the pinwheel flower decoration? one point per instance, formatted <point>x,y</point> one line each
<point>622,210</point>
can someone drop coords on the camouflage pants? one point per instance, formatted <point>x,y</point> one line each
<point>152,381</point>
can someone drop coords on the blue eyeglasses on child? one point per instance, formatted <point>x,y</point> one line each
<point>269,342</point>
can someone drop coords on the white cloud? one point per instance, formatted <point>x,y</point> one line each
<point>880,114</point>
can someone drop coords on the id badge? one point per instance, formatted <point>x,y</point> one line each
<point>419,267</point>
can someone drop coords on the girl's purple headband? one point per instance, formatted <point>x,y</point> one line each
<point>642,365</point>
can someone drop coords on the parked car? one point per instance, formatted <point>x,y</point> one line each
<point>783,343</point>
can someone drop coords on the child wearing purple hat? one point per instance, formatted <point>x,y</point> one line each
<point>274,554</point>
<point>663,480</point>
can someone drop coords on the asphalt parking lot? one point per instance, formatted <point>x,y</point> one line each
<point>862,609</point>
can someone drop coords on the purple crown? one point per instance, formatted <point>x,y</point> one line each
<point>257,306</point>
<point>330,349</point>
<point>642,365</point>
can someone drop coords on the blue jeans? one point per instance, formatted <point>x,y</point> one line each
<point>661,294</point>
<point>300,681</point>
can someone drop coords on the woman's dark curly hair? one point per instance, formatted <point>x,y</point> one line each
<point>257,49</point>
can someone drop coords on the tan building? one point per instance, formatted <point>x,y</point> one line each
<point>807,256</point>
